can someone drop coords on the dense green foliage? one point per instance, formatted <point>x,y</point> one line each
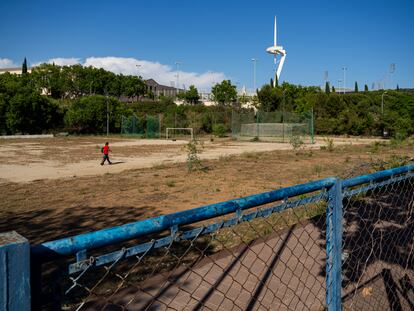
<point>353,114</point>
<point>190,96</point>
<point>224,93</point>
<point>77,81</point>
<point>88,114</point>
<point>23,109</point>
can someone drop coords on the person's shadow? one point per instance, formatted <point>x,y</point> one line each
<point>118,162</point>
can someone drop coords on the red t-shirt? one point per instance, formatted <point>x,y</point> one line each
<point>106,149</point>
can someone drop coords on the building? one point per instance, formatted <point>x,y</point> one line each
<point>159,89</point>
<point>15,70</point>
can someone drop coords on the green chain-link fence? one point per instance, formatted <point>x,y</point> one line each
<point>275,125</point>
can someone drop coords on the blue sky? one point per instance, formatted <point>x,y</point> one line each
<point>216,39</point>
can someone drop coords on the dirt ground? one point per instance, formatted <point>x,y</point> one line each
<point>55,187</point>
<point>54,158</point>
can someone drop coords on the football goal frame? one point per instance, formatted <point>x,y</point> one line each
<point>168,129</point>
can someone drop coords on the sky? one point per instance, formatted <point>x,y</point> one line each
<point>215,40</point>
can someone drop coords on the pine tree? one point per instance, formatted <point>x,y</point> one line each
<point>24,66</point>
<point>366,88</point>
<point>333,89</point>
<point>327,88</point>
<point>356,87</point>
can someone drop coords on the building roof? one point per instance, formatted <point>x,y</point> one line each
<point>152,82</point>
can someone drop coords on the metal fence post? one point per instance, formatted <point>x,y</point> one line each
<point>14,272</point>
<point>334,247</point>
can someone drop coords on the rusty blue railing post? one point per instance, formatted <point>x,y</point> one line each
<point>14,272</point>
<point>334,247</point>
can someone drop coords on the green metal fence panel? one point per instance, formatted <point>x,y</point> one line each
<point>274,125</point>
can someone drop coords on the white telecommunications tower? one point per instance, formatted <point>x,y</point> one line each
<point>276,50</point>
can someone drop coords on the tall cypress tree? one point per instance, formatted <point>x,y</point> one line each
<point>271,82</point>
<point>366,88</point>
<point>276,80</point>
<point>327,88</point>
<point>398,87</point>
<point>24,66</point>
<point>333,89</point>
<point>356,87</point>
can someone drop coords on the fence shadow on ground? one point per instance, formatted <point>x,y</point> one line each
<point>49,224</point>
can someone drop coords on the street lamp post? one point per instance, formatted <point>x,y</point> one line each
<point>138,66</point>
<point>177,64</point>
<point>107,114</point>
<point>344,70</point>
<point>254,60</point>
<point>382,114</point>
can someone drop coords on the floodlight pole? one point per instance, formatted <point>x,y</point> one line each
<point>344,70</point>
<point>177,64</point>
<point>254,60</point>
<point>107,115</point>
<point>382,112</point>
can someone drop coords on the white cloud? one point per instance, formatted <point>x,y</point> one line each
<point>163,74</point>
<point>7,63</point>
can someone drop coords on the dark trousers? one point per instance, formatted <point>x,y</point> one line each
<point>105,158</point>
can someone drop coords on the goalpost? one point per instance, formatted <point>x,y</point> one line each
<point>168,131</point>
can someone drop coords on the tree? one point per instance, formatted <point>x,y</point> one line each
<point>333,89</point>
<point>270,98</point>
<point>24,67</point>
<point>88,114</point>
<point>271,82</point>
<point>356,87</point>
<point>327,88</point>
<point>365,88</point>
<point>276,80</point>
<point>191,96</point>
<point>398,87</point>
<point>224,93</point>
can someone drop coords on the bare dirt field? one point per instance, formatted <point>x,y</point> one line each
<point>55,187</point>
<point>54,158</point>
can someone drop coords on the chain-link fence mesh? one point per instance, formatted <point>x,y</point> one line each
<point>378,225</point>
<point>267,258</point>
<point>275,125</point>
<point>147,126</point>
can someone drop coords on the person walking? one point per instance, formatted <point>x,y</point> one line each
<point>105,150</point>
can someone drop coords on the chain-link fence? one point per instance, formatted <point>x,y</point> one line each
<point>378,257</point>
<point>276,125</point>
<point>147,126</point>
<point>321,245</point>
<point>154,126</point>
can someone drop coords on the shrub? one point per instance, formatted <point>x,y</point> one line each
<point>296,142</point>
<point>219,130</point>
